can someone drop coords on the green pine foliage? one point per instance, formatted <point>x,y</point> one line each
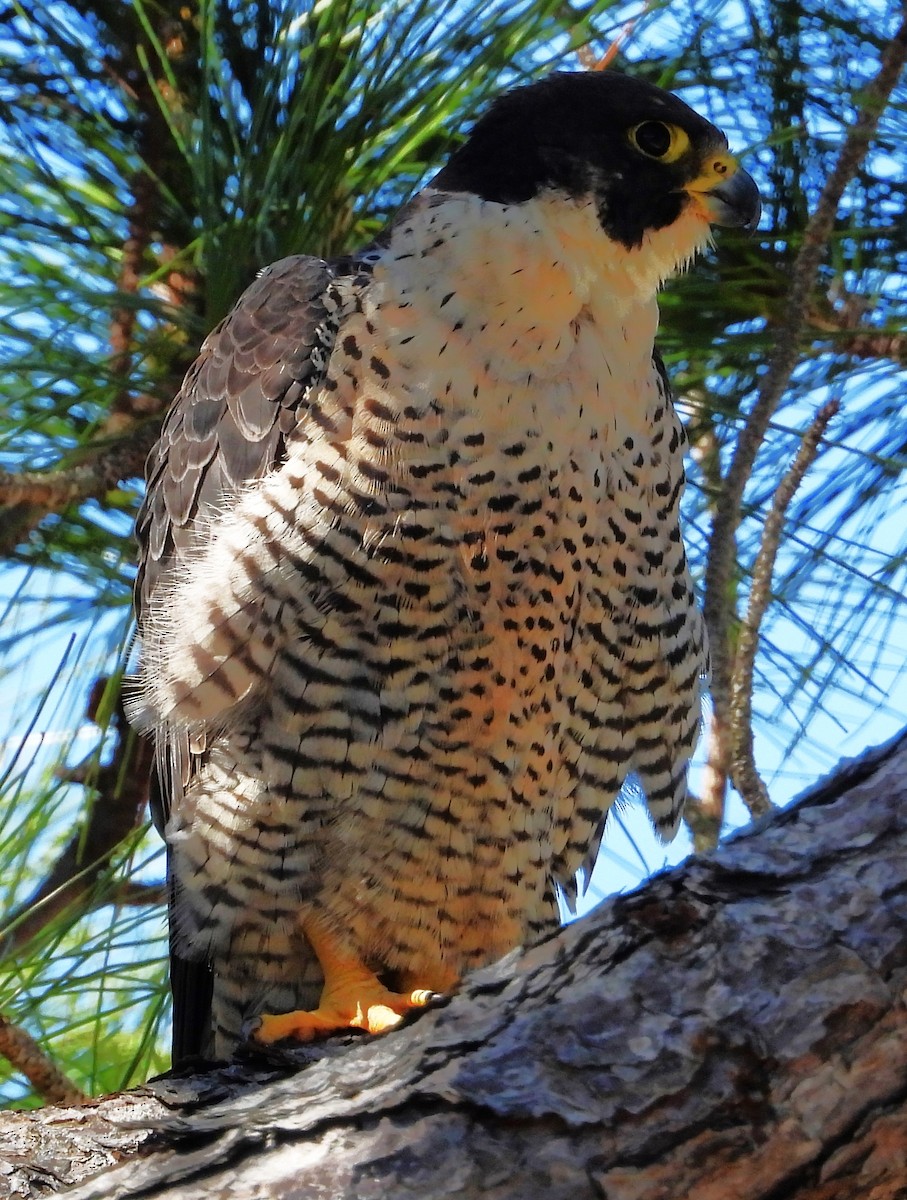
<point>154,154</point>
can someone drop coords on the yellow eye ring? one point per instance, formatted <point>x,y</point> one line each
<point>658,140</point>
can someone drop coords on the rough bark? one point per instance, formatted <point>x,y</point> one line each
<point>735,1029</point>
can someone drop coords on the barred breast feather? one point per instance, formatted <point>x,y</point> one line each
<point>414,601</point>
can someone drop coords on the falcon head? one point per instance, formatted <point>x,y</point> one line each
<point>650,164</point>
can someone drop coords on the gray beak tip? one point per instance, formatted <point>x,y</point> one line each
<point>736,202</point>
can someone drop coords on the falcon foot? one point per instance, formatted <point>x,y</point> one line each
<point>363,1004</point>
<point>353,998</point>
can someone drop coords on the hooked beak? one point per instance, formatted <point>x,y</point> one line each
<point>735,202</point>
<point>727,194</point>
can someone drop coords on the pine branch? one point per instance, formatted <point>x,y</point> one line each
<point>141,215</point>
<point>873,344</point>
<point>719,605</point>
<point>30,496</point>
<point>743,769</point>
<point>23,1053</point>
<point>129,894</point>
<point>704,827</point>
<point>704,813</point>
<point>715,775</point>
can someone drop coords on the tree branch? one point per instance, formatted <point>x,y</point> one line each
<point>138,238</point>
<point>719,607</point>
<point>29,496</point>
<point>23,1052</point>
<point>746,777</point>
<point>734,1029</point>
<point>101,467</point>
<point>874,344</point>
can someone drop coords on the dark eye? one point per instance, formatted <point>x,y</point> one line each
<point>652,138</point>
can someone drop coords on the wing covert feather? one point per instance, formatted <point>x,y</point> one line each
<point>228,423</point>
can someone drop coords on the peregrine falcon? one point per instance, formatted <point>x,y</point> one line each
<point>412,592</point>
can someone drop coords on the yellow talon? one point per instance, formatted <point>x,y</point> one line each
<point>352,998</point>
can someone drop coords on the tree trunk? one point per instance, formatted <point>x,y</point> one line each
<point>735,1029</point>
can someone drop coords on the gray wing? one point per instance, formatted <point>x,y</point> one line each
<point>240,398</point>
<point>228,425</point>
